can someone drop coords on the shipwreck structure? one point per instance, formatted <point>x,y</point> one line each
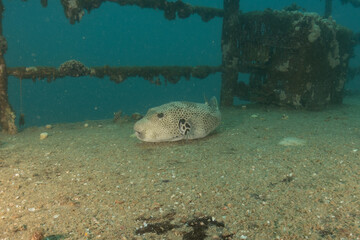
<point>294,58</point>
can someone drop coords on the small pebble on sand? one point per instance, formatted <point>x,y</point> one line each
<point>43,135</point>
<point>38,234</point>
<point>292,141</point>
<point>48,126</point>
<point>86,125</point>
<point>284,117</point>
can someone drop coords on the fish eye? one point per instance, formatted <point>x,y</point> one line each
<point>160,115</point>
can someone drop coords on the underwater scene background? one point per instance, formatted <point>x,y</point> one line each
<point>84,166</point>
<point>122,36</point>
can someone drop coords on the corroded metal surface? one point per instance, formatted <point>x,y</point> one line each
<point>229,45</point>
<point>7,115</point>
<point>74,68</point>
<point>74,9</point>
<point>295,59</point>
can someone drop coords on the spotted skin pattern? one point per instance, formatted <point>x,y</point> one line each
<point>176,121</point>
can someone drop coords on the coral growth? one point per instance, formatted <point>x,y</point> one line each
<point>73,68</point>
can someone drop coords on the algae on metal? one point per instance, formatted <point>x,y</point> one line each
<point>7,115</point>
<point>73,68</point>
<point>74,9</point>
<point>294,59</point>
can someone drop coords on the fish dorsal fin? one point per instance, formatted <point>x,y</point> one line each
<point>205,99</point>
<point>213,103</point>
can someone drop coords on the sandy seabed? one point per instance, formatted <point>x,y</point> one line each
<point>97,182</point>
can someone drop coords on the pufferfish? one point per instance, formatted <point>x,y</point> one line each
<point>175,121</point>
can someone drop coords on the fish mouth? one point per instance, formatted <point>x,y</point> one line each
<point>139,135</point>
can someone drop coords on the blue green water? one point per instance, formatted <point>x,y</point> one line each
<point>120,36</point>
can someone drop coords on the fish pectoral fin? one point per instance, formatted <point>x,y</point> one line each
<point>185,127</point>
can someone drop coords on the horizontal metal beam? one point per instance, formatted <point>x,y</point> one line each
<point>74,68</point>
<point>74,10</point>
<point>355,3</point>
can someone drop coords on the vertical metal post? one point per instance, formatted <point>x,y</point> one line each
<point>229,50</point>
<point>7,116</point>
<point>328,8</point>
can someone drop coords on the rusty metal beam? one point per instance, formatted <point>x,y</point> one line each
<point>328,8</point>
<point>74,68</point>
<point>229,52</point>
<point>74,10</point>
<point>355,3</point>
<point>7,115</point>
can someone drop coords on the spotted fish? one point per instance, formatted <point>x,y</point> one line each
<point>175,121</point>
